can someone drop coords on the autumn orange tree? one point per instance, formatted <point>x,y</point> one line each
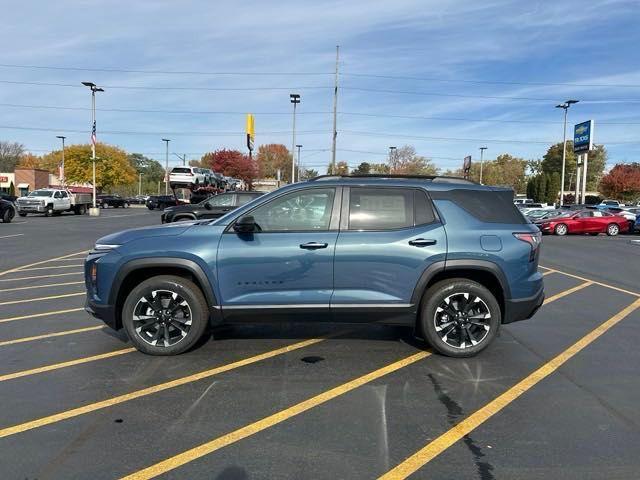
<point>112,167</point>
<point>271,158</point>
<point>622,182</point>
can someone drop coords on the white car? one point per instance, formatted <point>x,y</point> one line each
<point>187,176</point>
<point>609,203</point>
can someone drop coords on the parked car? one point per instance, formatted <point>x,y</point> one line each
<point>115,201</point>
<point>161,202</point>
<point>212,207</point>
<point>188,177</point>
<point>521,201</point>
<point>334,248</point>
<point>7,197</point>
<point>138,200</point>
<point>7,211</point>
<point>53,201</point>
<point>541,213</point>
<point>585,221</point>
<point>608,203</point>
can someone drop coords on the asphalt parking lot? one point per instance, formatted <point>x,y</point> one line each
<point>556,396</point>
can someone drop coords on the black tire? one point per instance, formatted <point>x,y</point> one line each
<point>49,211</point>
<point>594,234</point>
<point>613,229</point>
<point>7,216</point>
<point>164,285</point>
<point>561,229</point>
<point>459,293</point>
<point>183,219</point>
<point>81,210</point>
<point>150,207</point>
<point>22,214</point>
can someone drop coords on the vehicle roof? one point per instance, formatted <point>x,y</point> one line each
<point>434,183</point>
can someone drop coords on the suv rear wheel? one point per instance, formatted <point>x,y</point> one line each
<point>165,315</point>
<point>459,317</point>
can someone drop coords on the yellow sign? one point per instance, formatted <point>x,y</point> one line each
<point>250,131</point>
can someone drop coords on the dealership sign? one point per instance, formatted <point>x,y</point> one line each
<point>4,179</point>
<point>583,137</point>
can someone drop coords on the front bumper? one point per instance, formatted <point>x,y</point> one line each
<point>31,208</point>
<point>522,308</point>
<point>106,313</point>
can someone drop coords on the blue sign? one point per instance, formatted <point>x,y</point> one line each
<point>583,137</point>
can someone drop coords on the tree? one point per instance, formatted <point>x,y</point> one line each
<point>553,188</point>
<point>271,158</point>
<point>10,153</point>
<point>363,169</point>
<point>29,160</point>
<point>552,162</point>
<point>307,173</point>
<point>112,167</point>
<point>380,168</point>
<point>341,168</point>
<point>506,170</point>
<point>151,170</point>
<point>12,189</point>
<point>622,182</point>
<point>405,161</point>
<point>232,163</point>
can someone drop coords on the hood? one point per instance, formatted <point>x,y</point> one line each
<point>169,229</point>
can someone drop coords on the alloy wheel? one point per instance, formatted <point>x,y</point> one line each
<point>613,229</point>
<point>462,320</point>
<point>162,318</point>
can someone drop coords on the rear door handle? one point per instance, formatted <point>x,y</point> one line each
<point>422,242</point>
<point>313,245</point>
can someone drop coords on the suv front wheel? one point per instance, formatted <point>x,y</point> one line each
<point>459,317</point>
<point>165,315</point>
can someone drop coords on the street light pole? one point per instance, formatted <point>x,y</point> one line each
<point>62,181</point>
<point>94,88</point>
<point>392,159</point>
<point>565,106</point>
<point>140,184</point>
<point>298,147</point>
<point>295,99</point>
<point>482,149</point>
<point>166,166</point>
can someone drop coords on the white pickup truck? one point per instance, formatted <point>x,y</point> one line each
<point>53,201</point>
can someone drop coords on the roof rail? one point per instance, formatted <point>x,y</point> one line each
<point>433,178</point>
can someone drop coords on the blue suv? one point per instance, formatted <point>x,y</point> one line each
<point>447,256</point>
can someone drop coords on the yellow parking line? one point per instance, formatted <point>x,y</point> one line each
<point>92,407</point>
<point>566,292</point>
<point>49,335</point>
<point>49,268</point>
<point>473,421</point>
<point>36,315</point>
<point>40,276</point>
<point>268,422</point>
<point>70,363</point>
<point>612,287</point>
<point>39,286</point>
<point>28,300</point>
<point>16,269</point>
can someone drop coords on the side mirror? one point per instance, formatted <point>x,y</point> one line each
<point>245,224</point>
<point>208,206</point>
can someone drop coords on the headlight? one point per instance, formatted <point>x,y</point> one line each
<point>101,247</point>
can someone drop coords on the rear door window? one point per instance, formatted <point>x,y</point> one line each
<point>380,208</point>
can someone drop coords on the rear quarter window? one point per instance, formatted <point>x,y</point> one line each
<point>486,205</point>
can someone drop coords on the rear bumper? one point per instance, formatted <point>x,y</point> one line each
<point>106,313</point>
<point>522,308</point>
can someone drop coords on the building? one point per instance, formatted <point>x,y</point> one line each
<point>6,180</point>
<point>24,180</point>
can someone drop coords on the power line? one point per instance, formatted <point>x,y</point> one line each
<point>359,114</point>
<point>137,87</point>
<point>126,132</point>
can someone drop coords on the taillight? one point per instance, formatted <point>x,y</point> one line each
<point>533,239</point>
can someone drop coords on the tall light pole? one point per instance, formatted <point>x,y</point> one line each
<point>392,159</point>
<point>94,88</point>
<point>565,106</point>
<point>482,149</point>
<point>166,166</point>
<point>295,99</point>
<point>298,147</point>
<point>140,184</point>
<point>62,182</point>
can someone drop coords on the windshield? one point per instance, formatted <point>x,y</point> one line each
<point>40,193</point>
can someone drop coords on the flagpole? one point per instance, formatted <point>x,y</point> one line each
<point>93,142</point>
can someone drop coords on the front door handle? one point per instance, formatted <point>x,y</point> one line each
<point>313,245</point>
<point>422,242</point>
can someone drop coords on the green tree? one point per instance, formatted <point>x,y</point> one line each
<point>307,173</point>
<point>553,188</point>
<point>552,162</point>
<point>506,170</point>
<point>363,169</point>
<point>380,168</point>
<point>341,168</point>
<point>151,170</point>
<point>12,189</point>
<point>405,161</point>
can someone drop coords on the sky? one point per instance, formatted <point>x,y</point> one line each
<point>444,76</point>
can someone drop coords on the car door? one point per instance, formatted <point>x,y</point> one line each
<point>583,223</point>
<point>388,237</point>
<point>288,264</point>
<point>218,205</point>
<point>65,201</point>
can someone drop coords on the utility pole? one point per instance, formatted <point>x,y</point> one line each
<point>166,168</point>
<point>295,99</point>
<point>94,88</point>
<point>565,106</point>
<point>183,158</point>
<point>482,149</point>
<point>335,113</point>
<point>62,182</point>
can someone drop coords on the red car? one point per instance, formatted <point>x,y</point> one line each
<point>592,222</point>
